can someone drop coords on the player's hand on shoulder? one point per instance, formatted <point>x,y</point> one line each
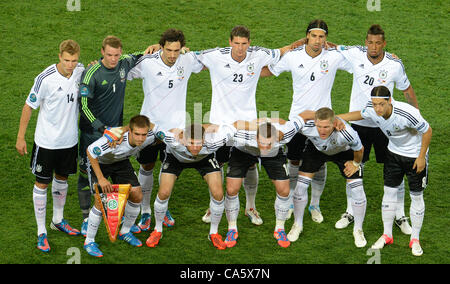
<point>339,124</point>
<point>152,48</point>
<point>92,63</point>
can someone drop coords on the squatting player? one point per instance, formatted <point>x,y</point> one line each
<point>104,162</point>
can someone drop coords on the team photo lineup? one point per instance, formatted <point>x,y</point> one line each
<point>117,166</point>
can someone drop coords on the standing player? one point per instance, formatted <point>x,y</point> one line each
<point>264,145</point>
<point>56,137</point>
<point>165,77</point>
<point>192,148</point>
<point>407,154</point>
<point>235,71</point>
<point>106,162</point>
<point>102,93</point>
<point>373,66</point>
<point>344,148</point>
<point>313,70</point>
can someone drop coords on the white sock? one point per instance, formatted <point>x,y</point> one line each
<point>359,203</point>
<point>146,181</point>
<point>130,215</point>
<point>251,187</point>
<point>281,210</point>
<point>95,217</point>
<point>160,208</point>
<point>318,184</point>
<point>348,193</point>
<point>232,210</point>
<point>59,193</point>
<point>217,208</point>
<point>400,212</point>
<point>293,175</point>
<point>301,199</point>
<point>40,208</point>
<point>416,213</point>
<point>388,208</point>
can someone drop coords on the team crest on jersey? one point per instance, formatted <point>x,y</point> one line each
<point>382,76</point>
<point>97,151</point>
<point>33,97</point>
<point>160,135</point>
<point>180,72</point>
<point>122,74</point>
<point>84,91</point>
<point>324,66</point>
<point>251,69</point>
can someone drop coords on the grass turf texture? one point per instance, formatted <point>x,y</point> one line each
<point>31,32</point>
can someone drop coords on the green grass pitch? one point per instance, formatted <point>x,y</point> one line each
<point>415,30</point>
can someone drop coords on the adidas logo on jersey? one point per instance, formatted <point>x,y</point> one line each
<point>104,82</point>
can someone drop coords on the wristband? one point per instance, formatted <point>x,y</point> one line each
<point>356,164</point>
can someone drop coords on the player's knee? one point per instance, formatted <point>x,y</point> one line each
<point>148,167</point>
<point>294,162</point>
<point>136,194</point>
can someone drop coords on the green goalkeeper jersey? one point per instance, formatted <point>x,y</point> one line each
<point>102,94</point>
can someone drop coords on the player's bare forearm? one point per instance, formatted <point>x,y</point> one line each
<point>410,97</point>
<point>426,140</point>
<point>351,116</point>
<point>21,144</point>
<point>358,155</point>
<point>102,181</point>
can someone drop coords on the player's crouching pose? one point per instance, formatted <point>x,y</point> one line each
<point>56,137</point>
<point>193,147</point>
<point>409,137</point>
<point>105,162</point>
<point>343,147</point>
<point>264,144</point>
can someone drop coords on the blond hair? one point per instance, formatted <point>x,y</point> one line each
<point>69,46</point>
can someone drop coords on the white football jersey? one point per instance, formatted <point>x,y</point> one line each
<point>101,150</point>
<point>57,98</point>
<point>245,141</point>
<point>213,141</point>
<point>338,141</point>
<point>366,76</point>
<point>165,88</point>
<point>312,78</point>
<point>404,128</point>
<point>234,83</point>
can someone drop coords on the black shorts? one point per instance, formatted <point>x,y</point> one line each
<point>372,136</point>
<point>149,154</point>
<point>240,162</point>
<point>207,165</point>
<point>296,147</point>
<point>223,154</point>
<point>121,172</point>
<point>44,162</point>
<point>313,160</point>
<point>397,166</point>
